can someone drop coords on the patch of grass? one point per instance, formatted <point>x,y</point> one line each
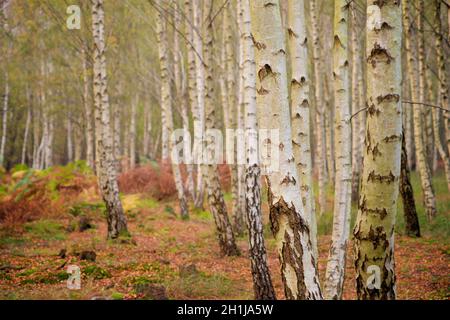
<point>85,208</point>
<point>96,272</point>
<point>5,276</point>
<point>46,229</point>
<point>202,215</point>
<point>27,273</point>
<point>50,278</point>
<point>11,241</point>
<point>117,296</point>
<point>147,203</point>
<point>203,285</point>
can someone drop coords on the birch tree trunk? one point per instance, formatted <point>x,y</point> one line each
<point>191,80</point>
<point>374,228</point>
<point>320,110</point>
<point>288,220</point>
<point>239,125</point>
<point>233,107</point>
<point>443,94</point>
<point>106,170</point>
<point>25,136</point>
<point>4,120</point>
<point>300,107</point>
<point>182,95</point>
<point>69,138</point>
<point>132,132</point>
<point>356,102</point>
<point>422,164</point>
<point>262,282</point>
<point>199,110</point>
<point>90,134</point>
<point>215,196</point>
<point>166,106</point>
<point>412,227</point>
<point>334,277</point>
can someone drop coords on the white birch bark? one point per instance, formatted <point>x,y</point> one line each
<point>132,131</point>
<point>334,277</point>
<point>262,282</point>
<point>300,108</point>
<point>26,134</point>
<point>4,119</point>
<point>422,163</point>
<point>90,133</point>
<point>374,228</point>
<point>215,196</point>
<point>443,94</point>
<point>199,107</point>
<point>106,169</point>
<point>166,106</point>
<point>320,109</point>
<point>288,221</point>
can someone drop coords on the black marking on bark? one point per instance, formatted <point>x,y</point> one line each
<point>379,54</point>
<point>373,177</point>
<point>292,33</point>
<point>264,72</point>
<point>258,45</point>
<point>388,98</point>
<point>288,180</point>
<point>261,91</point>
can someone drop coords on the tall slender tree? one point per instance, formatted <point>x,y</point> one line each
<point>334,278</point>
<point>300,105</point>
<point>106,170</point>
<point>374,228</point>
<point>288,220</point>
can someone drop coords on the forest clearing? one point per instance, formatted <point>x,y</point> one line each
<point>224,150</point>
<point>165,246</point>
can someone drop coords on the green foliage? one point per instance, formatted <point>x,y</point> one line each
<point>117,296</point>
<point>203,285</point>
<point>46,229</point>
<point>96,272</point>
<point>86,208</point>
<point>19,167</point>
<point>50,278</point>
<point>147,203</point>
<point>202,214</point>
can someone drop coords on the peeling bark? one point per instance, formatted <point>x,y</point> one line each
<point>335,272</point>
<point>412,227</point>
<point>374,227</point>
<point>288,220</point>
<point>106,170</point>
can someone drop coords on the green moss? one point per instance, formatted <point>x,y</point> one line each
<point>117,296</point>
<point>96,272</point>
<point>50,278</point>
<point>27,273</point>
<point>147,203</point>
<point>46,229</point>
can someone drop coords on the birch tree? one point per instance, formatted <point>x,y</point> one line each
<point>289,223</point>
<point>262,282</point>
<point>320,109</point>
<point>374,228</point>
<point>443,94</point>
<point>334,278</point>
<point>106,170</point>
<point>215,196</point>
<point>412,227</point>
<point>300,105</point>
<point>199,108</point>
<point>167,113</point>
<point>422,164</point>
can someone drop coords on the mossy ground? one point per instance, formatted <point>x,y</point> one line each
<point>32,269</point>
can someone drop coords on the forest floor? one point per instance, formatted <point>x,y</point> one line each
<point>163,247</point>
